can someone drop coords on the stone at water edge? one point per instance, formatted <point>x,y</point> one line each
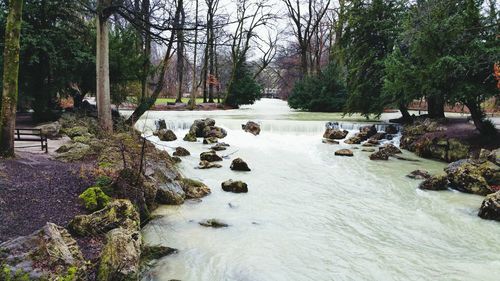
<point>494,156</point>
<point>437,182</point>
<point>377,137</point>
<point>490,208</point>
<point>368,150</point>
<point>391,129</point>
<point>181,151</point>
<point>468,177</point>
<point>120,257</point>
<point>190,137</point>
<point>215,223</point>
<point>210,156</point>
<point>234,186</point>
<point>419,175</point>
<point>160,124</point>
<point>379,155</point>
<point>251,127</point>
<point>239,165</point>
<point>194,189</point>
<point>390,149</point>
<point>335,134</point>
<point>344,152</point>
<point>210,140</point>
<point>329,141</point>
<point>46,254</point>
<point>170,193</point>
<point>208,165</point>
<point>214,132</point>
<point>176,159</point>
<point>166,135</point>
<point>219,146</point>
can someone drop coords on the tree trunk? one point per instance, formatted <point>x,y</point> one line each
<point>303,60</point>
<point>211,74</point>
<point>180,50</point>
<point>194,89</point>
<point>477,116</point>
<point>405,114</point>
<point>147,49</point>
<point>102,69</point>
<point>205,70</point>
<point>10,78</point>
<point>435,106</point>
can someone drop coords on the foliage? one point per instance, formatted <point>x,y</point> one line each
<point>243,88</point>
<point>320,92</point>
<point>7,274</point>
<point>370,33</point>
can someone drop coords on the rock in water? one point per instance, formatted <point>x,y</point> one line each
<point>470,178</point>
<point>215,223</point>
<point>419,175</point>
<point>344,152</point>
<point>160,124</point>
<point>210,140</point>
<point>190,137</point>
<point>194,189</point>
<point>46,254</point>
<point>251,127</point>
<point>379,155</point>
<point>214,132</point>
<point>166,135</point>
<point>208,165</point>
<point>368,149</point>
<point>234,186</point>
<point>329,141</point>
<point>181,151</point>
<point>120,257</point>
<point>219,146</point>
<point>170,193</point>
<point>239,165</point>
<point>391,129</point>
<point>438,182</point>
<point>210,156</point>
<point>490,208</point>
<point>390,149</point>
<point>335,134</point>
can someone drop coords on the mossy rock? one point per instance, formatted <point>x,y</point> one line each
<point>120,257</point>
<point>194,189</point>
<point>437,182</point>
<point>456,150</point>
<point>151,253</point>
<point>86,139</point>
<point>74,152</point>
<point>76,131</point>
<point>190,137</point>
<point>118,213</point>
<point>467,177</point>
<point>94,198</point>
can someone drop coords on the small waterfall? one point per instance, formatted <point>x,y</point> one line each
<point>356,126</point>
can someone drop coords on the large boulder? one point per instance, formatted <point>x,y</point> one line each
<point>166,135</point>
<point>194,189</point>
<point>170,193</point>
<point>239,165</point>
<point>160,124</point>
<point>214,132</point>
<point>251,127</point>
<point>120,257</point>
<point>490,208</point>
<point>234,186</point>
<point>73,152</point>
<point>356,139</point>
<point>367,131</point>
<point>344,152</point>
<point>437,182</point>
<point>210,156</point>
<point>378,136</point>
<point>76,131</point>
<point>51,130</point>
<point>335,134</point>
<point>181,151</point>
<point>47,254</point>
<point>118,213</point>
<point>198,127</point>
<point>468,177</point>
<point>190,137</point>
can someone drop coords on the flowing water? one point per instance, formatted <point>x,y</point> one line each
<point>310,215</point>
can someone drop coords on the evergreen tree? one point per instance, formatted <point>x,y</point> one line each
<point>243,89</point>
<point>370,34</point>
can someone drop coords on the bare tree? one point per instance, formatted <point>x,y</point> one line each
<point>194,89</point>
<point>305,25</point>
<point>268,51</point>
<point>179,25</point>
<point>102,66</point>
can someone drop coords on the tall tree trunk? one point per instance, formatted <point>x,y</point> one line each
<point>147,48</point>
<point>303,61</point>
<point>10,78</point>
<point>435,106</point>
<point>211,68</point>
<point>405,114</point>
<point>102,68</point>
<point>180,50</point>
<point>194,89</point>
<point>205,70</point>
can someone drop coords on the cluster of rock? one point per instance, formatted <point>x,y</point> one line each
<point>479,176</point>
<point>427,139</point>
<point>205,128</point>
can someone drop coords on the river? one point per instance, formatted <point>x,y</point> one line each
<point>310,215</point>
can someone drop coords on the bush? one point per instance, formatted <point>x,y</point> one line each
<point>243,88</point>
<point>323,92</point>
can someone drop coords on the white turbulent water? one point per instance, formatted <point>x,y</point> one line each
<point>310,215</point>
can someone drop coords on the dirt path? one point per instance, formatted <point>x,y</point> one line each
<point>34,189</point>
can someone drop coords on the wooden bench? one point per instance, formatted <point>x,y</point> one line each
<point>31,134</point>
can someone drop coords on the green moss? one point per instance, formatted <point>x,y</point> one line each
<point>6,274</point>
<point>191,182</point>
<point>94,198</point>
<point>71,275</point>
<point>103,181</point>
<point>83,139</point>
